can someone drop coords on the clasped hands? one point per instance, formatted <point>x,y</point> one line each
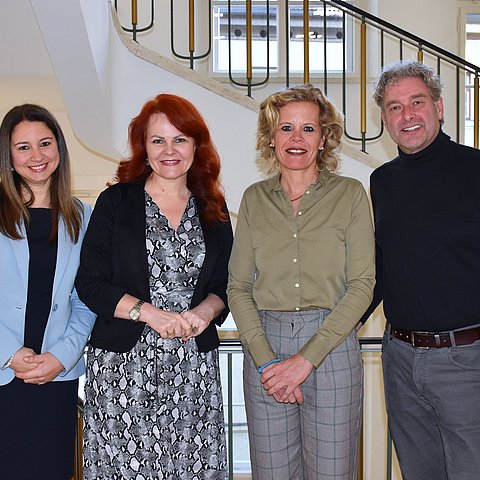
<point>183,325</point>
<point>35,369</point>
<point>283,379</point>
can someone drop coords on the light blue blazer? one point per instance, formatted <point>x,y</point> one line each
<point>70,321</point>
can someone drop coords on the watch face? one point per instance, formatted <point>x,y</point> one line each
<point>134,313</point>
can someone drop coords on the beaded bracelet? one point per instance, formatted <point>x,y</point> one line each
<point>261,368</point>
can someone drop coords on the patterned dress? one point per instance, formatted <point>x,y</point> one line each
<point>156,411</point>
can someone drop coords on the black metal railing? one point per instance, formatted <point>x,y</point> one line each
<point>135,29</point>
<point>354,83</point>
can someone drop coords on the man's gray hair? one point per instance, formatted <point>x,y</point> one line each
<point>407,68</point>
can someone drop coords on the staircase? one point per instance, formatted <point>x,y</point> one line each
<point>112,75</point>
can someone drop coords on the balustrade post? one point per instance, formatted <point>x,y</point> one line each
<point>363,84</point>
<point>134,19</point>
<point>475,109</point>
<point>191,30</point>
<point>306,42</point>
<point>420,53</point>
<point>248,20</point>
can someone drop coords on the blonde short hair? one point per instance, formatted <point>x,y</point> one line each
<point>330,121</point>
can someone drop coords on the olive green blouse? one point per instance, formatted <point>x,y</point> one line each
<point>323,257</point>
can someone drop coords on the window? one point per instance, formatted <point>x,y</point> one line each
<point>238,36</point>
<point>269,24</point>
<point>472,54</point>
<point>333,33</point>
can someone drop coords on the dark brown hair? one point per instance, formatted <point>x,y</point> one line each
<point>13,204</point>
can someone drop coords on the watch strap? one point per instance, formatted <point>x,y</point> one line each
<point>136,308</point>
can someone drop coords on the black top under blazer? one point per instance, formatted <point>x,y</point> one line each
<point>113,262</point>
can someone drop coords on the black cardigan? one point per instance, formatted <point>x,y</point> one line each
<point>113,262</point>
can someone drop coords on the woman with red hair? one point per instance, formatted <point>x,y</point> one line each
<point>154,270</point>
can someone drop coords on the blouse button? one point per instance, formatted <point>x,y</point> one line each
<point>297,285</point>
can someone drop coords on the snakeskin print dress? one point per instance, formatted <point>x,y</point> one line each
<point>156,411</point>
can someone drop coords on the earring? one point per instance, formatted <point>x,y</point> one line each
<point>321,148</point>
<point>146,161</point>
<point>12,169</point>
<point>271,145</point>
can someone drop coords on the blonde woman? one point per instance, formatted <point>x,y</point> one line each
<point>301,276</point>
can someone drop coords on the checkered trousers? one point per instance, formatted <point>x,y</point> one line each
<point>319,439</point>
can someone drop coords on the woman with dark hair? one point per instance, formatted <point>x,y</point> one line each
<point>43,326</point>
<point>154,269</point>
<point>296,305</point>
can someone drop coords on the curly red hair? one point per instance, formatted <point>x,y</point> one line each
<point>203,175</point>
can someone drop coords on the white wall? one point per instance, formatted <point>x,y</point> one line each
<point>27,76</point>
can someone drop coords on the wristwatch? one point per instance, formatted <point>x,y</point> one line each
<point>134,313</point>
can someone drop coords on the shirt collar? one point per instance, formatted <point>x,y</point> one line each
<point>273,183</point>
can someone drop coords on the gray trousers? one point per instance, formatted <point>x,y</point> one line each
<point>316,440</point>
<point>433,405</point>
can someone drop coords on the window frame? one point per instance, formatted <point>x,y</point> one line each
<point>278,72</point>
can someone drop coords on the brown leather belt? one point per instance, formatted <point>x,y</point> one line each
<point>437,339</point>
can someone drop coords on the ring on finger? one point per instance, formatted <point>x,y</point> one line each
<point>194,330</point>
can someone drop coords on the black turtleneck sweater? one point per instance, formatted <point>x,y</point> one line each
<point>427,227</point>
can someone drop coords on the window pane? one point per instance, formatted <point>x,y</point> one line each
<point>332,31</point>
<point>238,35</point>
<point>320,31</point>
<point>472,54</point>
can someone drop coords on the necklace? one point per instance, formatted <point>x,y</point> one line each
<point>296,198</point>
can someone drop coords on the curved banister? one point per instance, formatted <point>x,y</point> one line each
<point>363,132</point>
<point>410,37</point>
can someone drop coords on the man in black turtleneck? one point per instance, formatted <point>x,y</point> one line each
<point>427,218</point>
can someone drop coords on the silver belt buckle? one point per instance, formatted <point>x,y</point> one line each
<point>412,339</point>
